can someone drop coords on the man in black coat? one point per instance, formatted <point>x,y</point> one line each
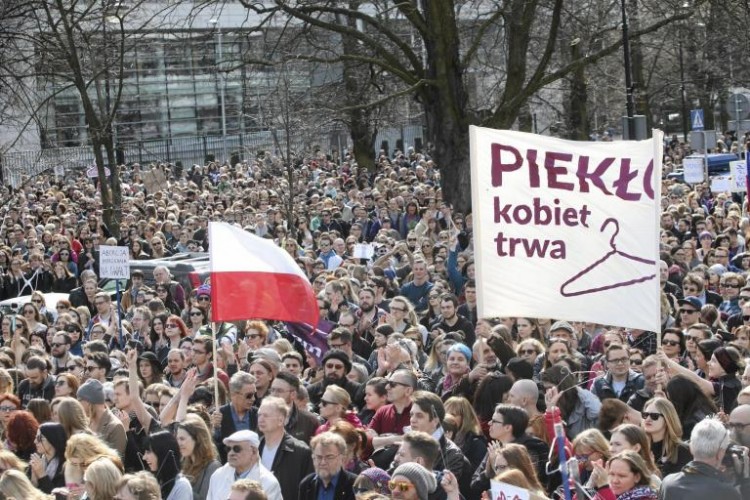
<point>289,459</point>
<point>328,450</point>
<point>239,414</point>
<point>336,366</point>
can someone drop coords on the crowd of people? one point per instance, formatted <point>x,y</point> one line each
<point>416,396</point>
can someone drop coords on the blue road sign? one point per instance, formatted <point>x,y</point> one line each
<point>696,119</point>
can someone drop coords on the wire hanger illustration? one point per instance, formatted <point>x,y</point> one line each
<point>567,290</point>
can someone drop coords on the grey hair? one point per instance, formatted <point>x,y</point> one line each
<point>708,438</point>
<point>240,380</point>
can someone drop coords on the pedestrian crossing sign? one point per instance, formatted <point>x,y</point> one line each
<point>696,119</point>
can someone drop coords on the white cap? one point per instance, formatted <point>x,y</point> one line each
<point>243,436</point>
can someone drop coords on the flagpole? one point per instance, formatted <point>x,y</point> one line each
<point>216,359</point>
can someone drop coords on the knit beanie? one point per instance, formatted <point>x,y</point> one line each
<point>379,479</point>
<point>423,480</point>
<point>91,391</point>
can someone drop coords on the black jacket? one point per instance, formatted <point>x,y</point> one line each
<point>697,480</point>
<point>228,428</point>
<point>292,463</point>
<point>308,489</point>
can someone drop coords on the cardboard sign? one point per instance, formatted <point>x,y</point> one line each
<point>567,230</point>
<point>114,262</point>
<point>505,491</point>
<point>738,171</point>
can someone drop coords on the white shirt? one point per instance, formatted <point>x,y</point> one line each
<point>221,482</point>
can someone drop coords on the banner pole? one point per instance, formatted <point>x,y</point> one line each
<point>215,360</point>
<point>119,315</point>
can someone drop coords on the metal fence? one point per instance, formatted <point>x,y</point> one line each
<point>199,150</point>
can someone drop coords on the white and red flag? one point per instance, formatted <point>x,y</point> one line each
<point>251,277</point>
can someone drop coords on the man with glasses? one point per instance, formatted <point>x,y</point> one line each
<point>289,459</point>
<point>508,425</point>
<point>243,462</point>
<point>342,338</point>
<point>203,352</point>
<point>300,423</point>
<point>731,284</point>
<point>690,311</point>
<point>327,254</point>
<point>330,479</point>
<point>98,365</point>
<point>390,421</point>
<point>336,367</point>
<point>739,425</point>
<point>736,320</point>
<point>105,312</point>
<point>237,415</point>
<point>619,381</point>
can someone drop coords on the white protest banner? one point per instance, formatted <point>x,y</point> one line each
<point>738,170</point>
<point>114,262</point>
<point>363,251</point>
<point>505,491</point>
<point>567,230</point>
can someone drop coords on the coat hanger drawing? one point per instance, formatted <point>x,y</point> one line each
<point>566,288</point>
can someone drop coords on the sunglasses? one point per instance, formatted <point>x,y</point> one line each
<point>673,343</point>
<point>636,361</point>
<point>527,352</point>
<point>57,344</point>
<point>324,403</point>
<point>399,485</point>
<point>204,298</point>
<point>171,325</point>
<point>688,311</point>
<point>393,383</point>
<point>235,448</point>
<point>651,415</point>
<point>196,313</point>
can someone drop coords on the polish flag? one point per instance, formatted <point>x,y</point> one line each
<point>251,277</point>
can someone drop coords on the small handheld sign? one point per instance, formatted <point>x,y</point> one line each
<point>114,263</point>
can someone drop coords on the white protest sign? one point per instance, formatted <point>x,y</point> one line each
<point>567,230</point>
<point>693,170</point>
<point>59,171</point>
<point>505,491</point>
<point>363,251</point>
<point>721,183</point>
<point>114,262</point>
<point>738,170</point>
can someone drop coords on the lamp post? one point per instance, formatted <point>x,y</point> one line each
<point>219,61</point>
<point>629,98</point>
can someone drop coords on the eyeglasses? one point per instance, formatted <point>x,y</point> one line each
<point>527,352</point>
<point>498,422</point>
<point>742,298</point>
<point>688,311</point>
<point>196,313</point>
<point>324,403</point>
<point>250,395</point>
<point>7,409</point>
<point>730,285</point>
<point>324,458</point>
<point>37,301</point>
<point>335,346</point>
<point>672,343</point>
<point>398,485</point>
<point>651,415</point>
<point>394,383</point>
<point>636,361</point>
<point>236,448</point>
<point>204,298</point>
<point>619,361</point>
<point>584,457</point>
<point>332,366</point>
<point>171,325</point>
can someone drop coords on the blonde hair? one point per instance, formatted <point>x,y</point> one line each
<point>595,441</point>
<point>6,381</point>
<point>15,484</point>
<point>102,477</point>
<point>142,485</point>
<point>88,448</point>
<point>673,428</point>
<point>340,396</point>
<point>12,461</point>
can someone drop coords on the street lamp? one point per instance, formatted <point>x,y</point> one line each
<point>630,100</point>
<point>222,83</point>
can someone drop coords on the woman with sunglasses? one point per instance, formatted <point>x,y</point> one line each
<point>664,430</point>
<point>65,255</point>
<point>66,384</point>
<point>334,406</point>
<point>589,447</point>
<point>33,318</point>
<point>174,331</point>
<point>165,295</point>
<point>197,318</point>
<point>9,404</point>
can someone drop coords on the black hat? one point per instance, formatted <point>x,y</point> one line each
<point>339,355</point>
<point>521,368</point>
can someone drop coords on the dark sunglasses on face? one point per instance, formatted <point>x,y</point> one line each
<point>672,343</point>
<point>651,415</point>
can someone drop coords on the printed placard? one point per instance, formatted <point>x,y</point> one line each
<point>114,262</point>
<point>566,230</point>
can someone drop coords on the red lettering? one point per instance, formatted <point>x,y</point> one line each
<point>498,167</point>
<point>553,170</point>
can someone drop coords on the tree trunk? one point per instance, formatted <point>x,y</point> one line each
<point>642,101</point>
<point>445,103</point>
<point>578,115</point>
